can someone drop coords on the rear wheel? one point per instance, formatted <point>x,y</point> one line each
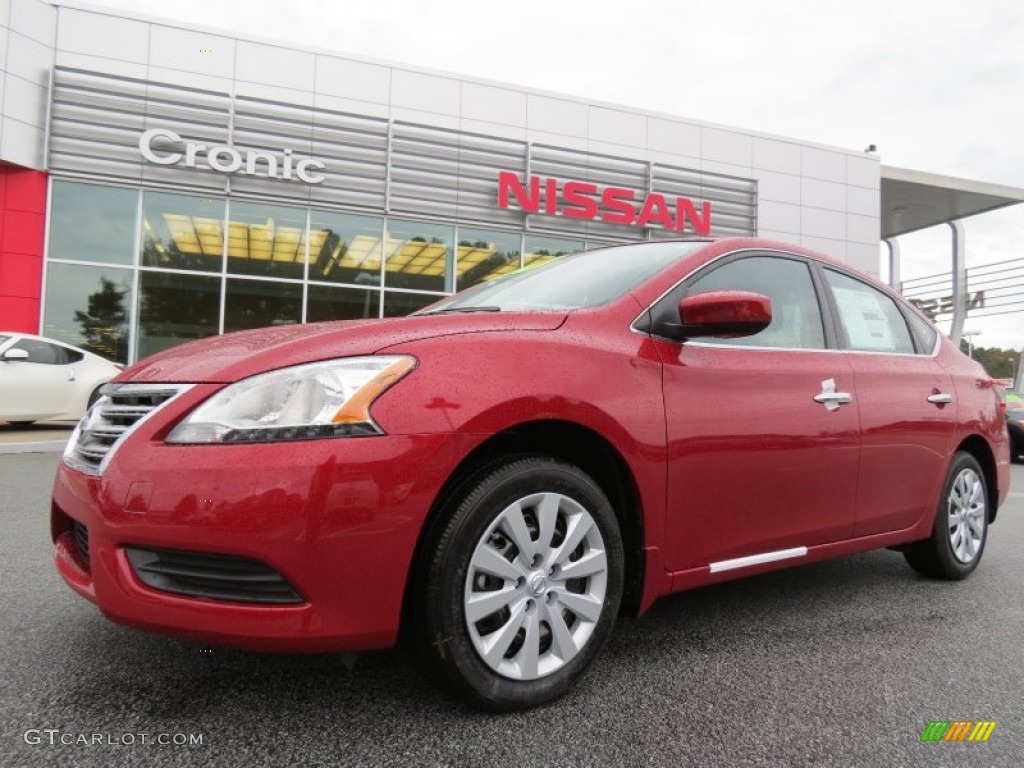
<point>522,586</point>
<point>961,524</point>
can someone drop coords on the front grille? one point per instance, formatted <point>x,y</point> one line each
<point>120,409</point>
<point>218,577</point>
<point>81,534</point>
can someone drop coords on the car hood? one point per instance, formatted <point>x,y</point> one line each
<point>234,356</point>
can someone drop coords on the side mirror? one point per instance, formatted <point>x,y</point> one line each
<point>726,314</point>
<point>15,354</point>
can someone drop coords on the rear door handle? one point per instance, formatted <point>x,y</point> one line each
<point>830,398</point>
<point>940,398</point>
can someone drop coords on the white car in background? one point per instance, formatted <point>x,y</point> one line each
<point>42,379</point>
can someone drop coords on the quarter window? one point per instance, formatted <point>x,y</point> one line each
<point>924,331</point>
<point>796,316</point>
<point>871,320</point>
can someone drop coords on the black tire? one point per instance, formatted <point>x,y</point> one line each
<point>936,557</point>
<point>474,525</point>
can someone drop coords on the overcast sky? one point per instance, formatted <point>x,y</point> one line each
<point>937,85</point>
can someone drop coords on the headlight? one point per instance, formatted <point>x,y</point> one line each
<point>305,402</point>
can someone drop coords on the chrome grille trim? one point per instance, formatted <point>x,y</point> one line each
<point>119,411</point>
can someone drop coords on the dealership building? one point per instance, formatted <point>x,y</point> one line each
<point>160,183</point>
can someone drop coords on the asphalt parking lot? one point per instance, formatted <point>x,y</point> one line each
<point>841,663</point>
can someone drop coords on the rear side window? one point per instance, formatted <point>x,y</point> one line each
<point>870,320</point>
<point>796,316</point>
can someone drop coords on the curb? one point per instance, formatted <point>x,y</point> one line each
<point>42,446</point>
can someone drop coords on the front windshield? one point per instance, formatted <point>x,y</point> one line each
<point>587,279</point>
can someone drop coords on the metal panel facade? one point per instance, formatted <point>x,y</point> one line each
<point>371,164</point>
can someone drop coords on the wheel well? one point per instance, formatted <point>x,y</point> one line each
<point>978,448</point>
<point>573,444</point>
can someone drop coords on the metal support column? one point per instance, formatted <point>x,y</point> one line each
<point>1018,380</point>
<point>895,280</point>
<point>956,329</point>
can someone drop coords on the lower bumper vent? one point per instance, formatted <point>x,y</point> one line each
<point>81,534</point>
<point>217,577</point>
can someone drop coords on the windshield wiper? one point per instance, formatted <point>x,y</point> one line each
<point>446,310</point>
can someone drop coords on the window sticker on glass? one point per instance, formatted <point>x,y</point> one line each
<point>864,319</point>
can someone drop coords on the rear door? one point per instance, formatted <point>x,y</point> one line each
<point>756,466</point>
<point>906,404</point>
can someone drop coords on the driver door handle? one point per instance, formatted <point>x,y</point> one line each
<point>940,398</point>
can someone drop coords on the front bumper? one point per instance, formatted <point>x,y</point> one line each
<point>338,519</point>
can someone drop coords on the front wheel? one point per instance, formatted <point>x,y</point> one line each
<point>961,524</point>
<point>523,584</point>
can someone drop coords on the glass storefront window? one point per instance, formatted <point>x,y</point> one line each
<point>418,256</point>
<point>267,241</point>
<point>258,303</point>
<point>89,307</point>
<point>540,250</point>
<point>267,255</point>
<point>328,303</point>
<point>90,222</point>
<point>175,308</point>
<point>182,232</point>
<point>484,255</point>
<point>397,304</point>
<point>345,248</point>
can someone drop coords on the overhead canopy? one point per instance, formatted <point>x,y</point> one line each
<point>913,200</point>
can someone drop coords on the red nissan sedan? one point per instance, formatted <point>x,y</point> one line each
<point>503,473</point>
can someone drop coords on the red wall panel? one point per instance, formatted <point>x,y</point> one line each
<point>22,228</point>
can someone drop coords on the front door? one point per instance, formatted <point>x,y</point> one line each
<point>756,465</point>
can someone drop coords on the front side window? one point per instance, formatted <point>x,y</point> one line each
<point>870,320</point>
<point>41,352</point>
<point>796,315</point>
